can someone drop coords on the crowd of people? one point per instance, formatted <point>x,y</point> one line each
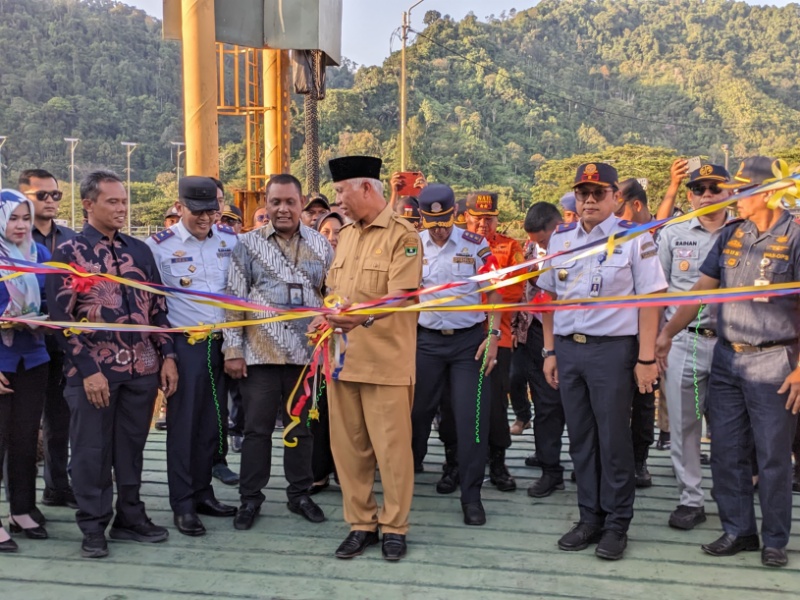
<point>597,372</point>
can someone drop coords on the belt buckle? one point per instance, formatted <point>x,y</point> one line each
<point>448,331</point>
<point>709,333</point>
<point>579,338</point>
<point>124,356</point>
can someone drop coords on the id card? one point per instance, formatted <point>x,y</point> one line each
<point>597,282</point>
<point>295,294</point>
<point>761,282</point>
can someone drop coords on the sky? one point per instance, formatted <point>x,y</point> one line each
<point>368,24</point>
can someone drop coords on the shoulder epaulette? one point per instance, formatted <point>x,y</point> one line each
<point>162,235</point>
<point>734,221</point>
<point>226,229</point>
<point>566,227</point>
<point>627,224</point>
<point>475,238</point>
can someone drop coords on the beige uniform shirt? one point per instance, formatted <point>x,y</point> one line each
<point>383,258</point>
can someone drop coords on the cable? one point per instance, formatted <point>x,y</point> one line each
<point>480,382</point>
<point>214,395</point>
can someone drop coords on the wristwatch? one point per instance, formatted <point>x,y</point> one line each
<point>547,353</point>
<point>496,333</point>
<point>368,323</point>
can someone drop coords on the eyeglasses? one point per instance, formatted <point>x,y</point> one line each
<point>42,195</point>
<point>261,218</point>
<point>229,221</point>
<point>597,193</point>
<point>699,190</point>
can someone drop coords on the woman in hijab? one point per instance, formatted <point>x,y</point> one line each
<point>23,366</point>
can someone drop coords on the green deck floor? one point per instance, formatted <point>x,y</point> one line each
<point>283,556</point>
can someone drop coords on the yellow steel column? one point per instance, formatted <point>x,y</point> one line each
<point>276,101</point>
<point>200,88</point>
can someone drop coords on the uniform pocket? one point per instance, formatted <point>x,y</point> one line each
<point>376,274</point>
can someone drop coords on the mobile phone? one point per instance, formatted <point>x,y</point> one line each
<point>693,164</point>
<point>408,178</point>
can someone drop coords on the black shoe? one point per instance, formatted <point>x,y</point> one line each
<point>728,545</point>
<point>795,479</point>
<point>37,516</point>
<point>419,468</point>
<point>306,507</point>
<point>498,472</point>
<point>573,478</point>
<point>474,513</point>
<point>236,444</point>
<point>449,481</point>
<point>533,461</point>
<point>774,557</point>
<point>355,543</point>
<point>189,524</point>
<point>224,474</point>
<point>611,545</point>
<point>318,487</point>
<point>579,537</point>
<point>687,517</point>
<point>664,442</point>
<point>705,459</point>
<point>545,485</point>
<point>51,497</point>
<point>245,516</point>
<point>161,425</point>
<point>643,477</point>
<point>8,546</point>
<point>214,508</point>
<point>32,533</point>
<point>145,532</point>
<point>394,546</point>
<point>94,545</point>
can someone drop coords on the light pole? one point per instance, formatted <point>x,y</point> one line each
<point>130,147</point>
<point>403,90</point>
<point>72,143</point>
<point>179,146</point>
<point>725,150</point>
<point>2,143</point>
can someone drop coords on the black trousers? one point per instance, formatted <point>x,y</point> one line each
<point>265,391</point>
<point>519,383</point>
<point>596,384</point>
<point>500,377</point>
<point>20,415</point>
<point>643,417</point>
<point>194,423</point>
<point>548,411</point>
<point>55,425</point>
<point>109,438</point>
<point>451,359</point>
<point>236,413</point>
<point>322,464</point>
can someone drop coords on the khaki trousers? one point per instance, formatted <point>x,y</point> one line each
<point>371,424</point>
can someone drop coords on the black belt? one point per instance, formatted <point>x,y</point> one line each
<point>580,338</point>
<point>702,331</point>
<point>449,331</point>
<point>747,348</point>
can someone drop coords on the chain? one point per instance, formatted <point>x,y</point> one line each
<point>480,383</point>
<point>214,395</point>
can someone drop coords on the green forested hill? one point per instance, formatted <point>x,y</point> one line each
<point>506,103</point>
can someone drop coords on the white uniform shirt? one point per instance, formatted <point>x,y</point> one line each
<point>633,268</point>
<point>188,263</point>
<point>461,257</point>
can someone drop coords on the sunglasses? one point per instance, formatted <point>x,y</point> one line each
<point>200,213</point>
<point>261,218</point>
<point>597,193</point>
<point>42,195</point>
<point>229,221</point>
<point>699,190</point>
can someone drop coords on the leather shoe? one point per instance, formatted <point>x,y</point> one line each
<point>473,513</point>
<point>394,546</point>
<point>728,545</point>
<point>189,524</point>
<point>51,497</point>
<point>533,461</point>
<point>774,557</point>
<point>643,477</point>
<point>545,485</point>
<point>94,545</point>
<point>32,533</point>
<point>214,508</point>
<point>224,474</point>
<point>449,481</point>
<point>9,546</point>
<point>687,517</point>
<point>146,532</point>
<point>245,516</point>
<point>306,507</point>
<point>579,537</point>
<point>355,543</point>
<point>611,545</point>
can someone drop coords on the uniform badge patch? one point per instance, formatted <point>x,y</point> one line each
<point>411,250</point>
<point>684,265</point>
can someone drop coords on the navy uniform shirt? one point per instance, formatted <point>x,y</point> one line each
<point>461,257</point>
<point>185,262</point>
<point>57,236</point>
<point>632,268</point>
<point>735,260</point>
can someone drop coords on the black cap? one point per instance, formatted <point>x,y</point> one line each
<point>482,204</point>
<point>317,199</point>
<point>408,208</point>
<point>198,193</point>
<point>437,205</point>
<point>709,173</point>
<point>752,172</point>
<point>599,173</point>
<point>232,212</point>
<point>354,167</point>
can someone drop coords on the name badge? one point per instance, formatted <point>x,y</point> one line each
<point>295,291</point>
<point>597,282</point>
<point>762,280</point>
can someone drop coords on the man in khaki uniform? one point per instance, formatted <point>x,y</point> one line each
<point>378,255</point>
